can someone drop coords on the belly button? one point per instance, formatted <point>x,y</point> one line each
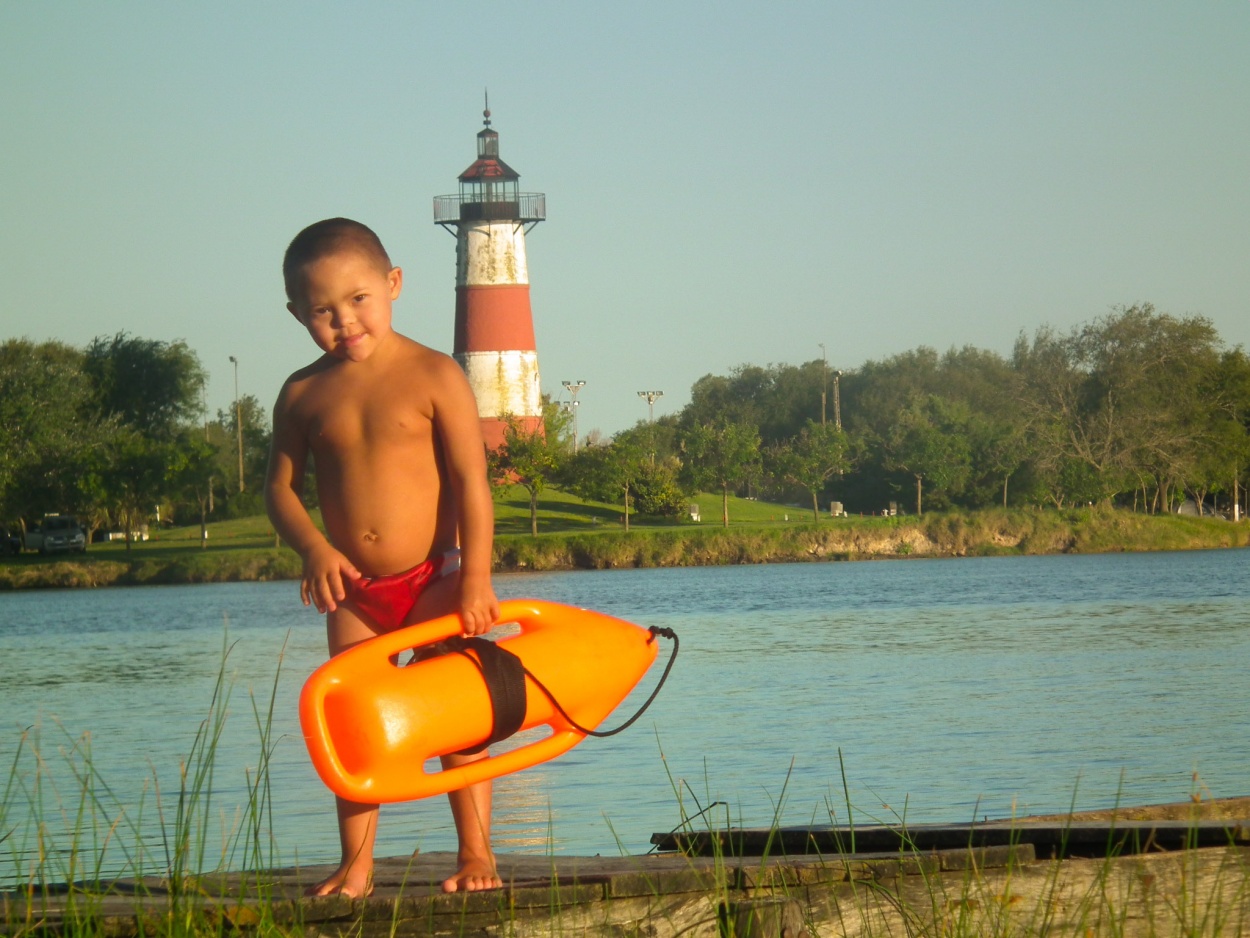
<point>370,536</point>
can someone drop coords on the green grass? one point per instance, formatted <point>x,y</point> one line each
<point>559,511</point>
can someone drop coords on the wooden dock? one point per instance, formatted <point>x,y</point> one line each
<point>1173,884</point>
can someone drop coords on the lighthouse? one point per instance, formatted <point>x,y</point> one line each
<point>494,339</point>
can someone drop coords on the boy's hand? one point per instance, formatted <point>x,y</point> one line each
<point>479,609</point>
<point>325,570</point>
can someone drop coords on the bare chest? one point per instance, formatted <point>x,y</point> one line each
<point>343,426</point>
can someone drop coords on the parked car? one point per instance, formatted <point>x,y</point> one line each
<point>10,541</point>
<point>56,533</point>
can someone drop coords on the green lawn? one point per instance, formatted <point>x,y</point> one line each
<point>234,534</point>
<point>557,512</point>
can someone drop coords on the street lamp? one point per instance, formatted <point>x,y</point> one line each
<point>238,418</point>
<point>573,387</point>
<point>652,397</point>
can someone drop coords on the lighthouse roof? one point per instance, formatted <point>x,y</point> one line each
<point>489,167</point>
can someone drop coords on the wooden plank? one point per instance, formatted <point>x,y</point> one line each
<point>1049,838</point>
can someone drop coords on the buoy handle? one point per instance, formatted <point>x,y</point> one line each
<point>462,776</point>
<point>512,611</point>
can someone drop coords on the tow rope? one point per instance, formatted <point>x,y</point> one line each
<point>505,674</point>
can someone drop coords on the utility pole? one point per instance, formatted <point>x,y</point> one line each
<point>573,387</point>
<point>837,401</point>
<point>238,418</point>
<point>204,400</point>
<point>824,384</point>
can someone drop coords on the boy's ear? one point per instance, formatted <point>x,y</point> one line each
<point>396,279</point>
<point>294,312</point>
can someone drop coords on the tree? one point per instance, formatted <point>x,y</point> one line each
<point>999,449</point>
<point>1122,394</point>
<point>532,459</point>
<point>256,436</point>
<point>608,472</point>
<point>135,479</point>
<point>657,491</point>
<point>721,454</point>
<point>50,431</point>
<point>777,400</point>
<point>1228,390</point>
<point>192,475</point>
<point>929,440</point>
<point>153,387</point>
<point>811,459</point>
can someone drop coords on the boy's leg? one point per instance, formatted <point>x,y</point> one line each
<point>470,807</point>
<point>358,823</point>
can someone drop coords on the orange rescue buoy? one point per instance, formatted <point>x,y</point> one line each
<point>370,724</point>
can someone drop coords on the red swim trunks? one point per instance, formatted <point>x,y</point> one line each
<point>388,599</point>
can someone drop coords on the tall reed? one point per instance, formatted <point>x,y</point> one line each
<point>67,835</point>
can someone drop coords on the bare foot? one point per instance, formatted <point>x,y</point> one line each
<point>353,882</point>
<point>474,875</point>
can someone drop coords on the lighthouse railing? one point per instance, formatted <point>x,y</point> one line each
<point>528,207</point>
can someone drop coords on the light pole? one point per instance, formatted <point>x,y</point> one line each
<point>837,401</point>
<point>573,387</point>
<point>652,397</point>
<point>824,384</point>
<point>238,418</point>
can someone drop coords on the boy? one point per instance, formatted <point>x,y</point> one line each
<point>393,431</point>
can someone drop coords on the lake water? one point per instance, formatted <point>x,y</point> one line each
<point>945,688</point>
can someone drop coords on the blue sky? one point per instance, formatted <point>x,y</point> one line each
<point>726,183</point>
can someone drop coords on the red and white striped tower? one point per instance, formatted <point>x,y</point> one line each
<point>494,341</point>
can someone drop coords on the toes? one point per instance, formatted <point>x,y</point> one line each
<point>471,883</point>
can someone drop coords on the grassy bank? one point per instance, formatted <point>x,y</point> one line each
<point>985,533</point>
<point>586,535</point>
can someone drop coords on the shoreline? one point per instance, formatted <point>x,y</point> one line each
<point>1020,532</point>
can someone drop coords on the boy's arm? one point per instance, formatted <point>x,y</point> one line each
<point>324,567</point>
<point>459,430</point>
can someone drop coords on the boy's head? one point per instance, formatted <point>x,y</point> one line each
<point>322,239</point>
<point>341,284</point>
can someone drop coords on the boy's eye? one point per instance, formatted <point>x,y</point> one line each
<point>361,297</point>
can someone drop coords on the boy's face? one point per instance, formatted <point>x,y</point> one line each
<point>346,303</point>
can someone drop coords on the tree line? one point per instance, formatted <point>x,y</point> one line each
<point>117,434</point>
<point>1139,409</point>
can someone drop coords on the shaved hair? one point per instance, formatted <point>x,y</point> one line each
<point>324,238</point>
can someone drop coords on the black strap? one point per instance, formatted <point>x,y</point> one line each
<point>505,683</point>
